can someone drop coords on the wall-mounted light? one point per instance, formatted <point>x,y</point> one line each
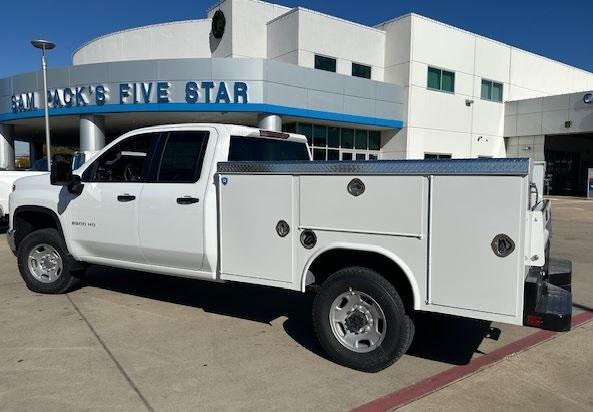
<point>527,148</point>
<point>468,102</point>
<point>588,98</point>
<point>567,124</point>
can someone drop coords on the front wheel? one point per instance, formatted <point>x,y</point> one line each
<point>360,320</point>
<point>44,264</point>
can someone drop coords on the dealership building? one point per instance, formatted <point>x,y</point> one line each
<point>410,87</point>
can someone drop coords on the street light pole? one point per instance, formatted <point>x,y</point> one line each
<point>45,45</point>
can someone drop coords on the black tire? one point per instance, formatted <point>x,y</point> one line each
<point>399,327</point>
<point>65,282</point>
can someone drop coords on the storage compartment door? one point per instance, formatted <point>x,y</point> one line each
<point>250,208</point>
<point>467,213</point>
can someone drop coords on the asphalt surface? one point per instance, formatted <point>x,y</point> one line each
<point>135,341</point>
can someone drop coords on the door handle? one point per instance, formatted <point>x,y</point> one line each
<point>126,198</point>
<point>187,200</point>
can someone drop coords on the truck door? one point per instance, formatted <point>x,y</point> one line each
<point>171,224</point>
<point>103,220</point>
<point>468,214</point>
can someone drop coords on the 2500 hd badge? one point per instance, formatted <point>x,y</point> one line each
<point>85,224</point>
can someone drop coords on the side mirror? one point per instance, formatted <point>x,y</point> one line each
<point>61,171</point>
<point>76,185</point>
<point>61,175</point>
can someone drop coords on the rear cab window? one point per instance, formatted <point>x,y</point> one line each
<point>243,148</point>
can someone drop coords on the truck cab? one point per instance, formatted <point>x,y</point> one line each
<point>149,198</point>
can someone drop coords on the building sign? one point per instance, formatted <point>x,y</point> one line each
<point>191,92</point>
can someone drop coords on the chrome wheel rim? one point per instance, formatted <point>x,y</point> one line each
<point>357,321</point>
<point>45,263</point>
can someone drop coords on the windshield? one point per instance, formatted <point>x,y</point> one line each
<point>261,149</point>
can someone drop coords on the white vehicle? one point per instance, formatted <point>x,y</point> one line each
<point>7,180</point>
<point>377,241</point>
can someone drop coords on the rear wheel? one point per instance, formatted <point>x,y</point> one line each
<point>360,320</point>
<point>44,263</point>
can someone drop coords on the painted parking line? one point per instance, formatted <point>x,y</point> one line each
<point>432,384</point>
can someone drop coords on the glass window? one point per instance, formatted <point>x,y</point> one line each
<point>127,161</point>
<point>40,165</point>
<point>373,157</point>
<point>262,149</point>
<point>486,89</point>
<point>306,130</point>
<point>361,139</point>
<point>361,70</point>
<point>319,136</point>
<point>333,154</point>
<point>496,92</point>
<point>441,80</point>
<point>360,156</point>
<point>346,156</point>
<point>374,140</point>
<point>347,138</point>
<point>318,154</point>
<point>491,91</point>
<point>434,78</point>
<point>182,157</point>
<point>289,127</point>
<point>325,63</point>
<point>448,81</point>
<point>333,137</point>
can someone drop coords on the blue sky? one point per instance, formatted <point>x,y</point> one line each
<point>560,30</point>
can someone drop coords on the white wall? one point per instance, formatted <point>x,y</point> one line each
<point>548,116</point>
<point>346,41</point>
<point>283,38</point>
<point>440,122</point>
<point>162,41</point>
<point>249,26</point>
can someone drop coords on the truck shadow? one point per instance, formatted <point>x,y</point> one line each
<point>441,338</point>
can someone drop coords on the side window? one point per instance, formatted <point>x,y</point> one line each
<point>182,157</point>
<point>261,149</point>
<point>127,161</point>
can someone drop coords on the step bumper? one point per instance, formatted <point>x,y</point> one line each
<point>548,296</point>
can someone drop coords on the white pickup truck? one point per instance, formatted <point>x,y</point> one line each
<point>376,241</point>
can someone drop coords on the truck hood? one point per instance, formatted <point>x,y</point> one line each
<point>10,176</point>
<point>39,179</point>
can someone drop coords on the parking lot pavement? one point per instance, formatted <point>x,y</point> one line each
<point>556,376</point>
<point>136,341</point>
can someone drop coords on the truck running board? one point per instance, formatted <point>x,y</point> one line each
<point>548,297</point>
